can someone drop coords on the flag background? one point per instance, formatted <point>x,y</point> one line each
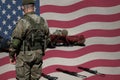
<point>97,20</point>
<point>10,13</point>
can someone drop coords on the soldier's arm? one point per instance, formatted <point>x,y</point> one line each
<point>47,33</point>
<point>16,39</point>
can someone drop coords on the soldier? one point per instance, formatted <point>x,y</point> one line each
<point>61,37</point>
<point>29,40</point>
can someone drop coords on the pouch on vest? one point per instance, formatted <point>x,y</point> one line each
<point>35,35</point>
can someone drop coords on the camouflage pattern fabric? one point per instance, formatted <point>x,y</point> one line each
<point>28,63</point>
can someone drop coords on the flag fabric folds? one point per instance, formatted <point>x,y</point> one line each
<point>10,13</point>
<point>97,20</point>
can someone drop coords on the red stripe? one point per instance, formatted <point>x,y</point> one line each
<point>74,54</point>
<point>87,34</point>
<point>79,5</point>
<point>107,77</point>
<point>100,33</point>
<point>95,77</point>
<point>77,53</point>
<point>8,75</point>
<point>51,69</point>
<point>4,61</point>
<point>91,64</point>
<point>83,20</point>
<point>83,51</point>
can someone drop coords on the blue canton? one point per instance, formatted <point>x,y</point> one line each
<point>10,13</point>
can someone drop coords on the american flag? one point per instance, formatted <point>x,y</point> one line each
<point>10,13</point>
<point>97,20</point>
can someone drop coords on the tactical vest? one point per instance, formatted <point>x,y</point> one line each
<point>34,37</point>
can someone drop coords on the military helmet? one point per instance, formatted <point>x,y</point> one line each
<point>64,32</point>
<point>25,2</point>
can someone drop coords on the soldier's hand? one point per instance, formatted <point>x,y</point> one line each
<point>13,61</point>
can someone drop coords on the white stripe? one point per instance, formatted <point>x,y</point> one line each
<point>81,13</point>
<point>7,68</point>
<point>108,70</point>
<point>58,2</point>
<point>12,79</point>
<point>82,59</point>
<point>63,76</point>
<point>91,41</point>
<point>103,40</point>
<point>3,54</point>
<point>70,62</point>
<point>105,70</point>
<point>90,26</point>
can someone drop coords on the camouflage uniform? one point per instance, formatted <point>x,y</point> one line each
<point>28,63</point>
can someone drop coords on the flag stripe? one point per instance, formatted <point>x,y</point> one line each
<point>87,50</point>
<point>3,54</point>
<point>110,77</point>
<point>97,20</point>
<point>82,12</point>
<point>59,3</point>
<point>91,64</point>
<point>4,61</point>
<point>78,5</point>
<point>90,26</point>
<point>84,19</point>
<point>11,74</point>
<point>78,60</point>
<point>102,33</point>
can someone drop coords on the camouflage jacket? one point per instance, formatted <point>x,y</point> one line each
<point>20,29</point>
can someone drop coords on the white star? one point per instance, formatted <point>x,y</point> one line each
<point>35,9</point>
<point>14,12</point>
<point>14,22</point>
<point>0,29</point>
<point>3,1</point>
<point>14,2</point>
<point>8,16</point>
<point>23,13</point>
<point>4,22</point>
<point>9,27</point>
<point>6,32</point>
<point>3,11</point>
<point>19,8</point>
<point>18,17</point>
<point>9,6</point>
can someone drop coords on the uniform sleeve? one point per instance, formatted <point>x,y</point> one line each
<point>19,29</point>
<point>16,38</point>
<point>47,33</point>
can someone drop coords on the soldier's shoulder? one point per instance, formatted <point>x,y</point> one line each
<point>41,18</point>
<point>21,20</point>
